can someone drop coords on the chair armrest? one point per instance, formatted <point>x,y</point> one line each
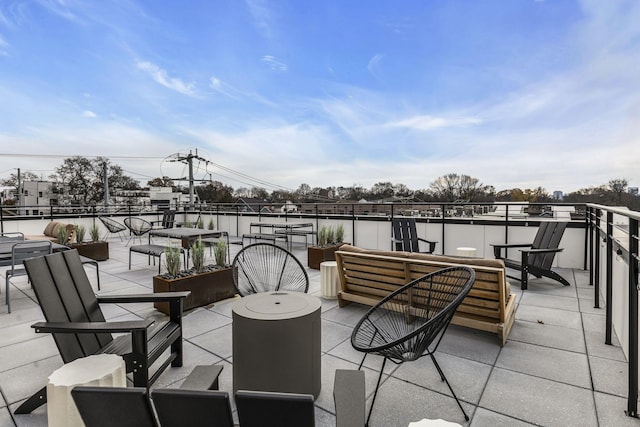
<point>497,248</point>
<point>92,327</point>
<point>541,251</point>
<point>432,244</point>
<point>134,298</point>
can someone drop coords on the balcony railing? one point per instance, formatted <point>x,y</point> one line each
<point>600,239</point>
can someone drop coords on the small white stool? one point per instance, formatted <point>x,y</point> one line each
<point>104,370</point>
<point>433,423</point>
<point>329,279</point>
<point>465,251</point>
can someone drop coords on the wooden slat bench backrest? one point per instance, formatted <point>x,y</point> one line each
<point>368,276</point>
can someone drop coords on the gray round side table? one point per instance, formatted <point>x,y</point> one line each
<point>276,343</point>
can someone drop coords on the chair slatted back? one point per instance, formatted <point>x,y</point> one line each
<point>114,406</point>
<point>270,409</point>
<point>168,219</point>
<point>548,237</point>
<point>23,250</point>
<point>65,295</point>
<point>405,235</point>
<point>190,408</point>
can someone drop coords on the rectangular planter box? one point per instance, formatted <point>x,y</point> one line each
<point>205,288</point>
<point>98,251</point>
<point>317,255</point>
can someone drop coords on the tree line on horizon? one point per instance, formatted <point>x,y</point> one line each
<point>83,180</point>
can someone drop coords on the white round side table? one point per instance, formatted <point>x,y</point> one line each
<point>329,279</point>
<point>103,370</point>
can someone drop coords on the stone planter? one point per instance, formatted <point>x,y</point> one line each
<point>98,251</point>
<point>205,288</point>
<point>319,254</point>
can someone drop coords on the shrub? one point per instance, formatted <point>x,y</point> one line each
<point>172,260</point>
<point>322,236</point>
<point>212,224</point>
<point>62,235</point>
<point>94,232</point>
<point>220,252</point>
<point>200,223</point>
<point>331,237</point>
<point>197,255</point>
<point>339,233</point>
<point>80,232</point>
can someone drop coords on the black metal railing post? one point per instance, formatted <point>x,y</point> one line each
<point>595,247</point>
<point>443,211</point>
<point>353,224</point>
<point>632,398</point>
<point>609,280</point>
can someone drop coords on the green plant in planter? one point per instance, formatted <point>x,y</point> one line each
<point>340,233</point>
<point>80,232</point>
<point>188,224</point>
<point>200,224</point>
<point>172,260</point>
<point>94,232</point>
<point>322,236</point>
<point>197,255</point>
<point>62,236</point>
<point>331,236</point>
<point>220,253</point>
<point>212,224</point>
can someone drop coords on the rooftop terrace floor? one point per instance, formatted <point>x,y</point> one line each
<point>555,369</point>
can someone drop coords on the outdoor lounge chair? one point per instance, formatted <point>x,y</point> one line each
<point>21,251</point>
<point>167,221</point>
<point>405,237</point>
<point>73,316</point>
<point>138,227</point>
<point>538,258</point>
<point>410,322</point>
<point>265,267</point>
<point>112,227</point>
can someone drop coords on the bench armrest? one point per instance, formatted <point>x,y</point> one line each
<point>92,327</point>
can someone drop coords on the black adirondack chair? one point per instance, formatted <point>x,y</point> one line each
<point>167,221</point>
<point>538,258</point>
<point>73,316</point>
<point>405,237</point>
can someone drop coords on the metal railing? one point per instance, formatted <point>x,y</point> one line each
<point>618,230</point>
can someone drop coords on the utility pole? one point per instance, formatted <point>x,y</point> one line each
<point>188,159</point>
<point>106,187</point>
<point>19,192</point>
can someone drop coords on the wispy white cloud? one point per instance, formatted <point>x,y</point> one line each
<point>374,63</point>
<point>4,47</point>
<point>89,114</point>
<point>274,64</point>
<point>427,122</point>
<point>262,16</point>
<point>161,77</point>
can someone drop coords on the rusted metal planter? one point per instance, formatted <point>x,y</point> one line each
<point>319,254</point>
<point>98,251</point>
<point>205,288</point>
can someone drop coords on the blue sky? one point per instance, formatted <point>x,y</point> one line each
<point>518,93</point>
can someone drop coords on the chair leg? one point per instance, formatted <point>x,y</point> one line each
<point>524,277</point>
<point>32,403</point>
<point>7,285</point>
<point>444,378</point>
<point>375,393</point>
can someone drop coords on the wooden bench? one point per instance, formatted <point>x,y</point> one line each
<point>155,251</point>
<point>367,276</point>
